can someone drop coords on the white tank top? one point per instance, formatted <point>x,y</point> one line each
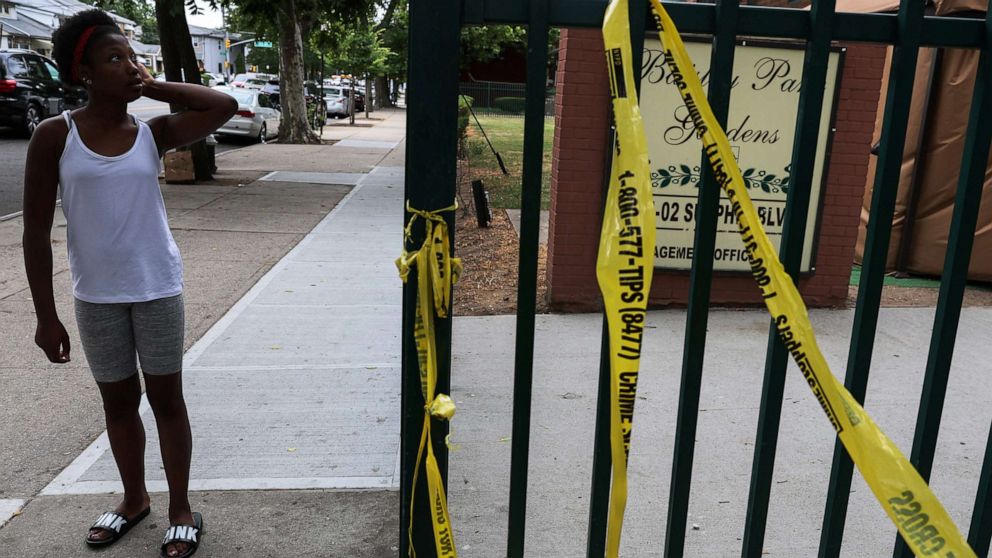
<point>119,242</point>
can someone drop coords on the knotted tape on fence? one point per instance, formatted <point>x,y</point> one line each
<point>437,272</point>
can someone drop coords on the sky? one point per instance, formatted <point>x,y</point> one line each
<point>209,18</point>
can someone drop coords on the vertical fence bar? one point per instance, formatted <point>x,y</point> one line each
<point>530,218</point>
<point>974,163</point>
<point>431,147</point>
<point>602,461</point>
<point>897,101</point>
<point>980,531</point>
<point>791,253</point>
<point>701,279</point>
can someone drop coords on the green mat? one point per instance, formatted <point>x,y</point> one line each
<point>907,282</point>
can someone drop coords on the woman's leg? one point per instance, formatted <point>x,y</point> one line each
<point>158,335</point>
<point>165,393</point>
<point>127,440</point>
<point>105,331</point>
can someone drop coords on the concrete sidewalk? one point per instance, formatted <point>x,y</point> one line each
<point>294,402</point>
<point>293,387</point>
<point>565,385</point>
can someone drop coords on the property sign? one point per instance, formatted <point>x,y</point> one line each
<point>764,105</point>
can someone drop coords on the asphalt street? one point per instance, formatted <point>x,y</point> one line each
<point>13,149</point>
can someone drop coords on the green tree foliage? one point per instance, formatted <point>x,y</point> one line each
<point>141,12</point>
<point>240,20</point>
<point>267,59</point>
<point>393,38</point>
<point>290,24</point>
<point>356,49</point>
<point>488,42</point>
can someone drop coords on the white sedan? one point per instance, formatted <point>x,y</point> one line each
<point>338,101</point>
<point>256,117</point>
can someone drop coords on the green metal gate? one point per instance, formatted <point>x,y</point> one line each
<point>430,184</point>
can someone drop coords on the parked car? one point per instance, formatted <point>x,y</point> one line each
<point>256,117</point>
<point>211,79</point>
<point>242,80</point>
<point>338,101</point>
<point>311,91</point>
<point>359,100</point>
<point>359,93</point>
<point>31,90</point>
<point>271,88</point>
<point>238,80</point>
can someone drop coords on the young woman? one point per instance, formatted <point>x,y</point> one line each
<point>126,271</point>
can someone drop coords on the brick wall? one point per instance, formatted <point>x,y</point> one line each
<point>582,123</point>
<point>577,184</point>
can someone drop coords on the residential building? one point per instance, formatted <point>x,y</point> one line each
<point>29,24</point>
<point>209,47</point>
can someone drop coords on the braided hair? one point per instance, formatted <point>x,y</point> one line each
<point>72,40</point>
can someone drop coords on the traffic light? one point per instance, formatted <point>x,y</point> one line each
<point>227,43</point>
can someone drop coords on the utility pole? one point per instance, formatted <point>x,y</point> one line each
<point>227,45</point>
<point>368,96</point>
<point>351,110</point>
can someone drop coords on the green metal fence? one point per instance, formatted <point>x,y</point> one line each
<point>503,100</point>
<point>430,184</point>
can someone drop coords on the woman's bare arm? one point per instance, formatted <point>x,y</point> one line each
<point>41,181</point>
<point>206,110</point>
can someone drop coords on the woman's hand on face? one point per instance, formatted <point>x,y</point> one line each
<point>146,78</point>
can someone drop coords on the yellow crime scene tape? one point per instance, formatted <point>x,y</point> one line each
<point>437,272</point>
<point>904,495</point>
<point>625,264</point>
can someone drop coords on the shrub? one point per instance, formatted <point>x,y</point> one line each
<point>464,102</point>
<point>511,105</point>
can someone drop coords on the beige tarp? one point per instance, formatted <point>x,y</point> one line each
<point>867,6</point>
<point>943,7</point>
<point>939,160</point>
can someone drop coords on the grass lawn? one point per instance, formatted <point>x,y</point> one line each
<point>507,136</point>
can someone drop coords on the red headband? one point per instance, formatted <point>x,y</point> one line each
<point>77,55</point>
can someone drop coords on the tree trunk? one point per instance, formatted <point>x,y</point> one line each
<point>178,58</point>
<point>294,127</point>
<point>382,97</point>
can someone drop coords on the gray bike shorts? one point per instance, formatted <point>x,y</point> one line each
<point>113,334</point>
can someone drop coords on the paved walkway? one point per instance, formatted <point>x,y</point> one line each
<point>297,386</point>
<point>294,397</point>
<point>293,393</point>
<point>566,366</point>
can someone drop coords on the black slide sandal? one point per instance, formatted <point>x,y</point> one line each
<point>189,534</point>
<point>116,524</point>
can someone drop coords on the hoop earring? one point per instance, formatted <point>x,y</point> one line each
<point>88,81</point>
